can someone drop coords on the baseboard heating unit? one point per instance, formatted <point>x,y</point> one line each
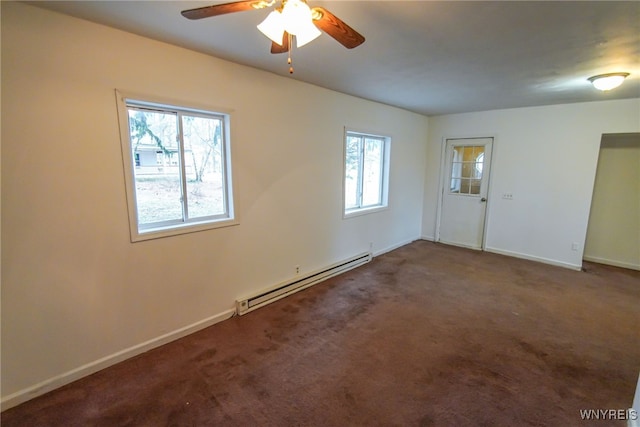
<point>282,290</point>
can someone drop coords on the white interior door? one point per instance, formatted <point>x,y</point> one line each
<point>464,193</point>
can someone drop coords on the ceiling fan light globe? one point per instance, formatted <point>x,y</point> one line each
<point>296,16</point>
<point>307,34</point>
<point>273,27</point>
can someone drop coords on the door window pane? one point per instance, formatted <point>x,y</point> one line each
<point>455,185</point>
<point>474,186</point>
<point>466,169</point>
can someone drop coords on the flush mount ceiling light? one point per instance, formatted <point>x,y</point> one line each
<point>608,81</point>
<point>292,18</point>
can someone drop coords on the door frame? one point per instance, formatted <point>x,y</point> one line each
<point>443,179</point>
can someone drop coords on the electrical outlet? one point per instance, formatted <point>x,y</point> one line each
<point>575,246</point>
<point>297,269</point>
<point>507,196</point>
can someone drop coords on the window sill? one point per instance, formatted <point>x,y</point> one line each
<point>176,230</point>
<point>364,211</point>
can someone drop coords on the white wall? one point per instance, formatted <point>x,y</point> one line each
<point>546,157</point>
<point>75,290</point>
<point>613,234</point>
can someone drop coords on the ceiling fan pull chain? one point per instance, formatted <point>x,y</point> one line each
<point>289,61</point>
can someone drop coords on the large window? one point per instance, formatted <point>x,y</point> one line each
<point>177,168</point>
<point>366,171</point>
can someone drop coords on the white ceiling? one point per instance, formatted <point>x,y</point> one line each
<point>431,57</point>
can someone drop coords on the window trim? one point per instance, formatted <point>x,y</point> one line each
<point>172,228</point>
<point>386,165</point>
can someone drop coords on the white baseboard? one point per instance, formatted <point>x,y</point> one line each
<point>535,258</point>
<point>428,238</point>
<point>461,245</point>
<point>97,365</point>
<point>393,247</point>
<point>517,255</point>
<point>612,262</point>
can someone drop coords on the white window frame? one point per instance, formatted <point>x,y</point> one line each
<point>172,228</point>
<point>384,187</point>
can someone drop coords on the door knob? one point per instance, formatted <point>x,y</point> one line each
<point>484,199</point>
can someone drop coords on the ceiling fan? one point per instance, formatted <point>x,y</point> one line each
<point>290,18</point>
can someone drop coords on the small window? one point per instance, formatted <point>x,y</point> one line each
<point>177,168</point>
<point>366,172</point>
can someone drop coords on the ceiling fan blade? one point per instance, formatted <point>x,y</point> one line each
<point>221,9</point>
<point>336,28</point>
<point>276,48</point>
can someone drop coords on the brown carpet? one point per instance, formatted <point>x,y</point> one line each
<point>424,335</point>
